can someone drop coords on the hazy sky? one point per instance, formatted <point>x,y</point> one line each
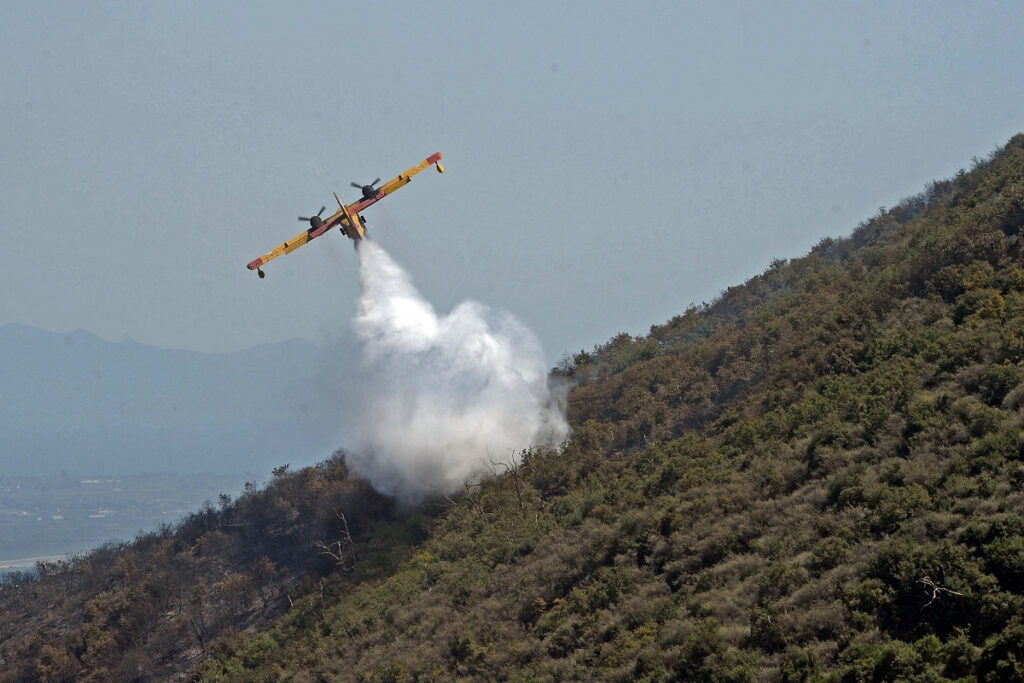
<point>608,162</point>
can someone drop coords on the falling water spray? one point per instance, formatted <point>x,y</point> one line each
<point>441,400</point>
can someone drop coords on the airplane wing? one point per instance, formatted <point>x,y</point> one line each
<point>398,181</point>
<point>340,216</point>
<point>404,178</point>
<point>294,243</point>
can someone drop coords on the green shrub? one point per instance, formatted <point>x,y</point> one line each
<point>829,552</point>
<point>997,381</point>
<point>983,303</point>
<point>799,666</point>
<point>765,632</point>
<point>1002,658</point>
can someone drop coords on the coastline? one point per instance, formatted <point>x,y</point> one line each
<point>29,562</point>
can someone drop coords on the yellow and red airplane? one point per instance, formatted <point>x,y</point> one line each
<point>347,217</point>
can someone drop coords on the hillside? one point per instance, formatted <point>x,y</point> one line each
<point>816,477</point>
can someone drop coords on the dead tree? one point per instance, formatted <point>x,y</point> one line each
<point>342,551</point>
<point>516,472</point>
<point>936,589</point>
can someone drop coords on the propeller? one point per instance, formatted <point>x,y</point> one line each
<point>368,190</point>
<point>310,220</point>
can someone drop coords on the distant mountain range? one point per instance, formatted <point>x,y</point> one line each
<point>77,403</point>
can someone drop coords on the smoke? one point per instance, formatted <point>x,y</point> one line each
<point>441,400</point>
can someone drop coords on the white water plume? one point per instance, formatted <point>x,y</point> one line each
<point>441,400</point>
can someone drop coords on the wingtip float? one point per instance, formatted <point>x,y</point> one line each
<point>347,217</point>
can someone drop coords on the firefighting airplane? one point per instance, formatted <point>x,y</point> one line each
<point>347,218</point>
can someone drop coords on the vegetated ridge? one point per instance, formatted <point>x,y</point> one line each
<point>816,477</point>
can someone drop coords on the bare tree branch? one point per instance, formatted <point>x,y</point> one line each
<point>935,589</point>
<point>341,551</point>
